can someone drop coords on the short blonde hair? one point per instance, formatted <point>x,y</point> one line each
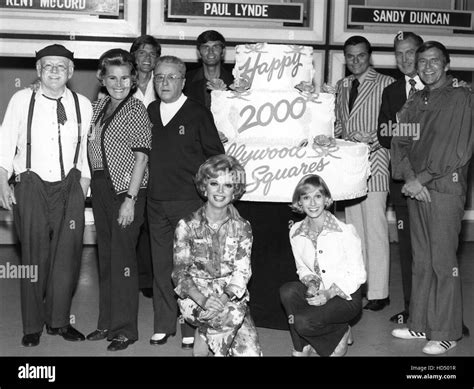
<point>304,186</point>
<point>221,163</point>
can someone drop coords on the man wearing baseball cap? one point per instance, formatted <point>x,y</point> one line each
<point>43,153</point>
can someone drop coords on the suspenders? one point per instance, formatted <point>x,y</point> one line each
<point>28,130</point>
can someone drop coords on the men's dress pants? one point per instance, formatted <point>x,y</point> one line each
<point>436,302</point>
<point>49,220</point>
<point>163,217</point>
<point>369,218</point>
<point>405,251</point>
<point>118,270</point>
<point>145,266</point>
<point>320,326</point>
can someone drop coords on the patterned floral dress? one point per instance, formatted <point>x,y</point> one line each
<point>217,261</point>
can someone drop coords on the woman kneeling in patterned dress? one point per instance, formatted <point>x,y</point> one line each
<point>212,249</point>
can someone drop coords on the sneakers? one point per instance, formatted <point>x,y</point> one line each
<point>435,347</point>
<point>405,333</point>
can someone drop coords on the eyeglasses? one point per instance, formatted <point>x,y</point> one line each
<point>159,78</point>
<point>59,67</point>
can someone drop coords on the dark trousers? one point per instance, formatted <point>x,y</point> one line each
<point>405,250</point>
<point>436,303</point>
<point>49,220</point>
<point>145,266</point>
<point>118,273</point>
<point>163,217</point>
<point>320,326</point>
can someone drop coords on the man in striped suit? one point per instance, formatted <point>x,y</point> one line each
<point>358,100</point>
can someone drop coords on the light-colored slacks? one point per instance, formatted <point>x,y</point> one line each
<point>369,218</point>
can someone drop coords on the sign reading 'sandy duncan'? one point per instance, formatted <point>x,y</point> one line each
<point>261,11</point>
<point>91,7</point>
<point>437,18</point>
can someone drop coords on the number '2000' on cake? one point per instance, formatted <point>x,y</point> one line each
<point>267,109</point>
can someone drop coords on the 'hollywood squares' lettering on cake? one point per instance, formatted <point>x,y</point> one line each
<point>263,175</point>
<point>277,66</point>
<point>244,156</point>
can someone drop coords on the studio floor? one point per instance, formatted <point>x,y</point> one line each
<point>371,333</point>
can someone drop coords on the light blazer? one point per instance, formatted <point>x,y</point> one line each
<point>364,117</point>
<point>339,257</point>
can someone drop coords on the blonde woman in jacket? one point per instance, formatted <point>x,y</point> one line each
<point>330,267</point>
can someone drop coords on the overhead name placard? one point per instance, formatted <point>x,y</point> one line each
<point>438,18</point>
<point>90,7</point>
<point>271,12</point>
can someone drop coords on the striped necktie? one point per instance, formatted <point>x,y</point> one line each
<point>412,89</point>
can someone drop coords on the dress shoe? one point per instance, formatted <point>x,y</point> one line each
<point>120,342</point>
<point>97,335</point>
<point>67,332</point>
<point>31,340</point>
<point>187,342</point>
<point>159,341</point>
<point>377,305</point>
<point>147,292</point>
<point>400,318</point>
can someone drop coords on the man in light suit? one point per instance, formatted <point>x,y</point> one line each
<point>358,99</point>
<point>393,98</point>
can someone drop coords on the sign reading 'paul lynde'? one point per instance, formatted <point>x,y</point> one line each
<point>91,7</point>
<point>436,18</point>
<point>271,12</point>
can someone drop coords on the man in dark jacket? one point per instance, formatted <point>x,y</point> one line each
<point>211,50</point>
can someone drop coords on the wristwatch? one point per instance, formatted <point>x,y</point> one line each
<point>134,198</point>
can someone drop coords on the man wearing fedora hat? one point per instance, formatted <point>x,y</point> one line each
<point>43,152</point>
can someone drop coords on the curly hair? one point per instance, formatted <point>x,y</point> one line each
<point>217,165</point>
<point>307,184</point>
<point>117,57</point>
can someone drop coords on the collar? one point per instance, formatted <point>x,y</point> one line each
<point>178,103</point>
<point>232,214</point>
<point>369,76</point>
<point>447,84</point>
<point>41,91</point>
<point>331,224</point>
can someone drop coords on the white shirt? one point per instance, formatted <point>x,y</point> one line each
<point>150,94</point>
<point>419,84</point>
<point>168,110</point>
<point>44,135</point>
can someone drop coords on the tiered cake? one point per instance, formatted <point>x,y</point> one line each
<point>280,133</point>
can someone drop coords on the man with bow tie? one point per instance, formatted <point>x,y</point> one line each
<point>43,150</point>
<point>358,99</point>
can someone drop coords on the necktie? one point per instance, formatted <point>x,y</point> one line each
<point>412,89</point>
<point>61,114</point>
<point>353,94</point>
<point>60,111</point>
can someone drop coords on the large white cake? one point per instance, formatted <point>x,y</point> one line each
<point>280,133</point>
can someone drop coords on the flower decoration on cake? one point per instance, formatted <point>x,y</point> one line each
<point>216,84</point>
<point>298,49</point>
<point>240,87</point>
<point>324,146</point>
<point>254,48</point>
<point>307,90</point>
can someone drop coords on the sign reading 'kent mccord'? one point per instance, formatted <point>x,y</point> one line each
<point>91,7</point>
<point>271,12</point>
<point>437,18</point>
